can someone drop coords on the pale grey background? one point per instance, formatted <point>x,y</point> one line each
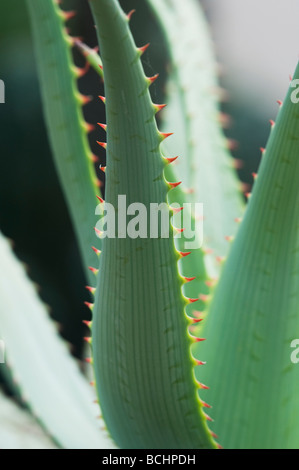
<point>257,42</point>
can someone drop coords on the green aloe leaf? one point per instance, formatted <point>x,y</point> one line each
<point>19,430</point>
<point>197,264</point>
<point>193,113</point>
<point>141,347</point>
<point>68,131</point>
<point>254,316</point>
<point>51,383</point>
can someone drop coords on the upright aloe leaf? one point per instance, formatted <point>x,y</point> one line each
<point>50,381</point>
<point>255,315</point>
<point>195,265</point>
<point>141,347</point>
<point>205,165</point>
<point>66,125</point>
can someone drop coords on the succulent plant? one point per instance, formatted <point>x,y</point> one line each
<point>176,327</point>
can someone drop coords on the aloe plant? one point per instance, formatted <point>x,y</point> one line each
<point>167,341</point>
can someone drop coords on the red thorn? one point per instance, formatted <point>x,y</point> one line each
<point>171,159</point>
<point>179,230</point>
<point>89,305</point>
<point>272,122</point>
<point>67,15</point>
<point>245,187</point>
<point>262,149</point>
<point>204,297</point>
<point>176,210</point>
<point>89,127</point>
<point>237,163</point>
<point>92,383</point>
<point>102,98</point>
<point>189,279</point>
<point>232,144</point>
<point>101,67</point>
<point>208,417</point>
<point>220,93</point>
<point>194,338</point>
<point>199,363</point>
<point>87,323</point>
<point>94,158</point>
<point>238,220</point>
<point>189,190</point>
<point>103,168</point>
<point>210,283</point>
<point>153,78</point>
<point>98,183</point>
<point>254,175</point>
<point>98,232</point>
<point>183,254</point>
<point>204,387</point>
<point>100,199</point>
<point>224,120</point>
<point>90,289</point>
<point>102,144</point>
<point>87,339</point>
<point>207,251</point>
<point>204,404</point>
<point>228,238</point>
<point>97,252</point>
<point>198,314</point>
<point>143,48</point>
<point>279,102</point>
<point>192,300</point>
<point>159,107</point>
<point>220,259</point>
<point>198,340</point>
<point>214,435</point>
<point>93,270</point>
<point>89,360</point>
<point>82,71</point>
<point>174,185</point>
<point>130,14</point>
<point>103,126</point>
<point>85,99</point>
<point>164,135</point>
<point>248,195</point>
<point>219,446</point>
<point>193,319</point>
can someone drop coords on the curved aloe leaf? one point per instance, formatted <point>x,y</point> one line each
<point>19,430</point>
<point>50,381</point>
<point>141,347</point>
<point>67,128</point>
<point>255,312</point>
<point>205,165</point>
